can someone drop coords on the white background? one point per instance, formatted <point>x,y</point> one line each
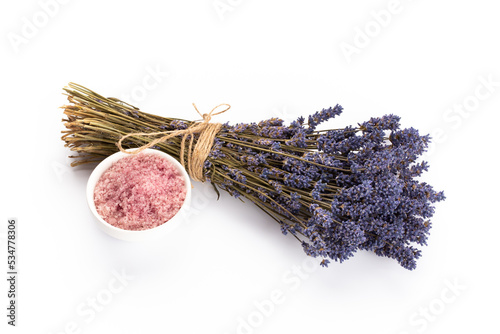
<point>217,273</point>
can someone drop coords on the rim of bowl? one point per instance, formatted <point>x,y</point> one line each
<point>105,164</point>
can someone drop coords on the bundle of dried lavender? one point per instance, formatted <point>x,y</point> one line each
<point>336,191</point>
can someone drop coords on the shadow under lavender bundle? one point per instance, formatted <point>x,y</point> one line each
<point>336,191</point>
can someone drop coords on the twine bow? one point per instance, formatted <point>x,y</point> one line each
<point>197,155</point>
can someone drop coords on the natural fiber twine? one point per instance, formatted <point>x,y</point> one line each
<point>195,156</point>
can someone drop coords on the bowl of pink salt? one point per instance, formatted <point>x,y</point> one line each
<point>139,196</point>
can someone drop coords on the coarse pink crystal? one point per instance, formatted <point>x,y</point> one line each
<point>139,192</point>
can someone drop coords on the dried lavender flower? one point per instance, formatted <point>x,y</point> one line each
<point>336,191</point>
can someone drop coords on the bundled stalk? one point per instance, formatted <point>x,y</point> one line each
<point>336,191</point>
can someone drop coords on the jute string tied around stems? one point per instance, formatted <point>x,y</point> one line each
<point>195,156</point>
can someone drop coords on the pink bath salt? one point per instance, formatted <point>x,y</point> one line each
<point>139,192</point>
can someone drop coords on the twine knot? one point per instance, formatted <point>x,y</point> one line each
<point>196,156</point>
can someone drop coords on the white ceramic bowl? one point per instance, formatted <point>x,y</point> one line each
<point>148,234</point>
